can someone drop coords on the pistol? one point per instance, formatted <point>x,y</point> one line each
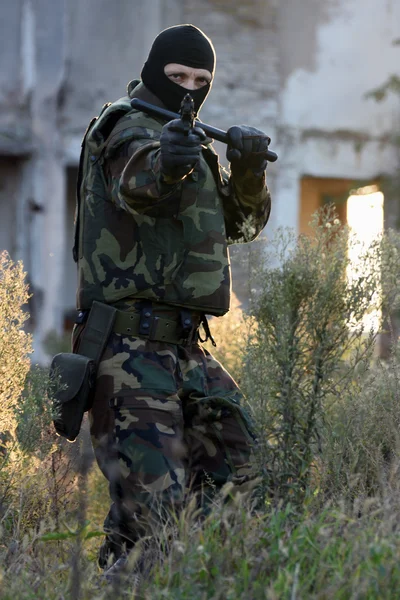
<point>187,113</point>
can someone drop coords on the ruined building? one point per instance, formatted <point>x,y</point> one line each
<point>298,69</point>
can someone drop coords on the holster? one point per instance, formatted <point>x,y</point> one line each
<point>74,375</point>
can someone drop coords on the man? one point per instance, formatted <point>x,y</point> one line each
<point>155,213</point>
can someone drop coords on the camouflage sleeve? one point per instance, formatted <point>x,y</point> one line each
<point>247,205</point>
<point>135,180</point>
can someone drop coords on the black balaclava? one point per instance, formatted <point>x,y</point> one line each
<point>185,45</point>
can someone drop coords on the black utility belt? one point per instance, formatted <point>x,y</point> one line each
<point>148,321</point>
<point>184,330</point>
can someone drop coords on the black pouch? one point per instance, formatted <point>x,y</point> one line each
<point>74,378</point>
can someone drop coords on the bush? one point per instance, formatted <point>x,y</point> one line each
<point>15,344</point>
<point>36,478</point>
<point>361,450</point>
<point>230,334</point>
<point>15,348</point>
<point>309,340</point>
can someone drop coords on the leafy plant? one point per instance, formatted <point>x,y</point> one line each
<point>15,344</point>
<point>309,340</point>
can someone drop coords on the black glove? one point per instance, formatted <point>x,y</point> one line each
<point>179,151</point>
<point>247,149</point>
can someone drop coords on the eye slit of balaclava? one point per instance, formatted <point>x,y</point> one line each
<point>184,45</point>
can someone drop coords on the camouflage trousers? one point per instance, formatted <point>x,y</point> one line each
<point>166,422</point>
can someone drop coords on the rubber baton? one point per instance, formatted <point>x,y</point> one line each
<point>212,132</point>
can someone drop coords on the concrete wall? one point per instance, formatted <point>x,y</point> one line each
<point>15,131</point>
<point>61,60</point>
<point>108,44</point>
<point>332,54</point>
<point>9,177</point>
<point>298,69</point>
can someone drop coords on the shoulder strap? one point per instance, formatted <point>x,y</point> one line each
<point>75,249</point>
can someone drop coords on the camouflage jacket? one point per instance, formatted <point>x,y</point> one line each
<point>140,237</point>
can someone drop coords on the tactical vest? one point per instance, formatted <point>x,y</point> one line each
<point>91,163</point>
<point>179,259</point>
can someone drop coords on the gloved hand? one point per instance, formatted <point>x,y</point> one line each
<point>247,147</point>
<point>179,152</point>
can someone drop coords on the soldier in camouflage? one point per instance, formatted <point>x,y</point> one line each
<point>155,213</point>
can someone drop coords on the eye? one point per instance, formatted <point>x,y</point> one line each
<point>202,81</point>
<point>176,75</point>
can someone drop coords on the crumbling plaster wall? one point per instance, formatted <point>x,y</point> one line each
<point>61,60</point>
<point>15,79</point>
<point>298,69</point>
<point>108,43</point>
<point>333,53</point>
<point>33,59</point>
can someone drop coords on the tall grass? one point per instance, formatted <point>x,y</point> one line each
<point>327,411</point>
